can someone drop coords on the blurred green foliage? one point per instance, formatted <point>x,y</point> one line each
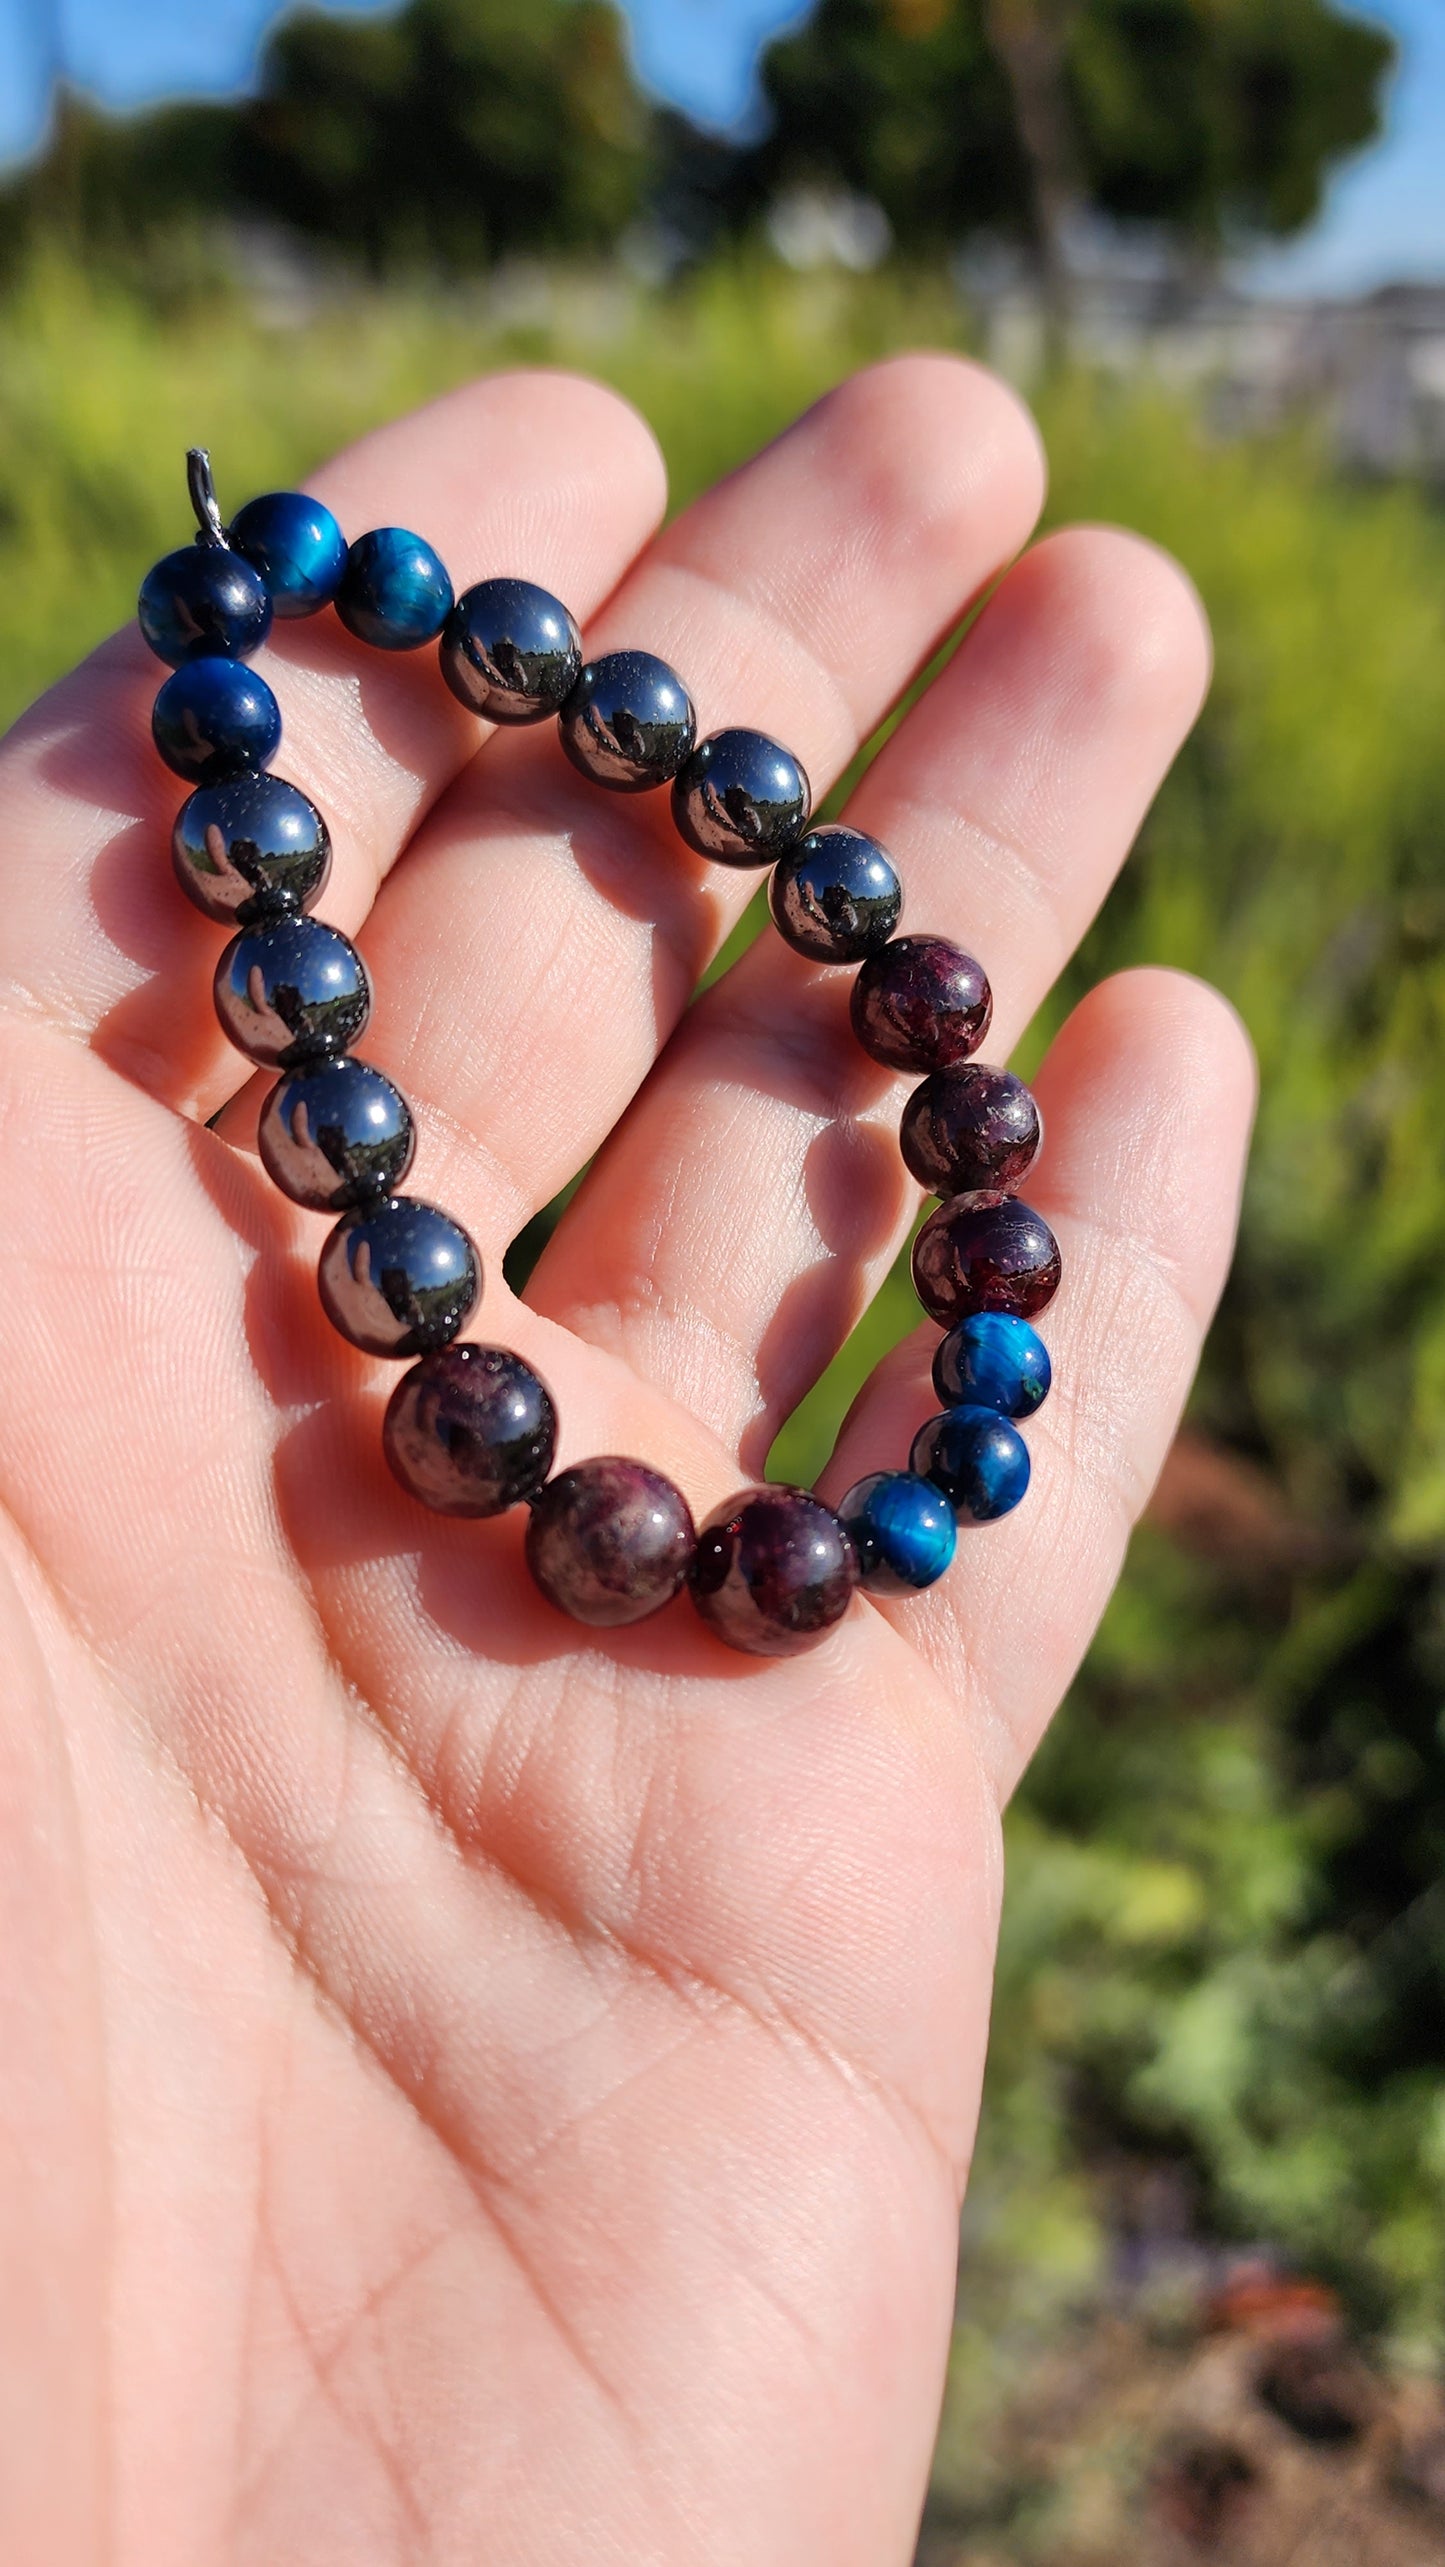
<point>1224,1946</point>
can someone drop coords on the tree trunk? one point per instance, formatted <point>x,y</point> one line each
<point>1029,37</point>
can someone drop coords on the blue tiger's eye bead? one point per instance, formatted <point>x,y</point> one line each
<point>399,1278</point>
<point>510,651</point>
<point>995,1360</point>
<point>977,1458</point>
<point>204,602</point>
<point>296,545</point>
<point>835,896</point>
<point>470,1430</point>
<point>903,1530</point>
<point>773,1571</point>
<point>628,722</point>
<point>985,1251</point>
<point>741,799</point>
<point>244,849</point>
<point>921,1004</point>
<point>335,1133</point>
<point>394,592</point>
<point>609,1541</point>
<point>291,992</point>
<point>970,1128</point>
<point>215,719</point>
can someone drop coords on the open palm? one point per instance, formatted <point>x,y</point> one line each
<point>472,2089</point>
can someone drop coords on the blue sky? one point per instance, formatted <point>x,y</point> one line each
<point>1386,216</point>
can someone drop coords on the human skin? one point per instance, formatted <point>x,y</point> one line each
<point>473,2090</point>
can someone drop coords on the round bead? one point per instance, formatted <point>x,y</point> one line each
<point>394,592</point>
<point>902,1529</point>
<point>922,1004</point>
<point>399,1277</point>
<point>741,799</point>
<point>291,991</point>
<point>609,1541</point>
<point>204,602</point>
<point>835,896</point>
<point>628,722</point>
<point>334,1134</point>
<point>984,1252</point>
<point>773,1571</point>
<point>214,719</point>
<point>510,652</point>
<point>977,1458</point>
<point>993,1360</point>
<point>296,545</point>
<point>968,1129</point>
<point>470,1430</point>
<point>244,849</point>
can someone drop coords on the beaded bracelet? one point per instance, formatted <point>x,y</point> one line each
<point>471,1430</point>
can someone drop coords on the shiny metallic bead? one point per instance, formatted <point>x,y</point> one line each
<point>399,1277</point>
<point>291,991</point>
<point>609,1541</point>
<point>203,602</point>
<point>628,722</point>
<point>773,1571</point>
<point>246,849</point>
<point>921,1004</point>
<point>335,1133</point>
<point>835,896</point>
<point>296,545</point>
<point>903,1530</point>
<point>470,1430</point>
<point>394,591</point>
<point>741,799</point>
<point>510,651</point>
<point>215,718</point>
<point>977,1458</point>
<point>985,1251</point>
<point>969,1128</point>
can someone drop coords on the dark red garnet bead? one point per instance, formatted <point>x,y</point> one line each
<point>609,1541</point>
<point>921,1004</point>
<point>773,1571</point>
<point>985,1252</point>
<point>969,1128</point>
<point>470,1430</point>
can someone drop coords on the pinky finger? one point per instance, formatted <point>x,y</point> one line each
<point>1148,1095</point>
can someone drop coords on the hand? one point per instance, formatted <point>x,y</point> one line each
<point>474,2091</point>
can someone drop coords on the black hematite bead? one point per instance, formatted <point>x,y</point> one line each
<point>985,1251</point>
<point>741,799</point>
<point>969,1129</point>
<point>334,1134</point>
<point>291,991</point>
<point>470,1430</point>
<point>204,602</point>
<point>835,896</point>
<point>510,652</point>
<point>399,1278</point>
<point>922,1004</point>
<point>244,849</point>
<point>773,1571</point>
<point>609,1541</point>
<point>628,722</point>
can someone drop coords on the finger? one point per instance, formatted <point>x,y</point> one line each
<point>1149,1094</point>
<point>746,1211</point>
<point>543,936</point>
<point>546,475</point>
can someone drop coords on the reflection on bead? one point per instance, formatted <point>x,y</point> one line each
<point>399,1278</point>
<point>248,847</point>
<point>977,1458</point>
<point>394,591</point>
<point>773,1571</point>
<point>203,602</point>
<point>993,1360</point>
<point>902,1529</point>
<point>470,1430</point>
<point>921,1004</point>
<point>609,1541</point>
<point>741,799</point>
<point>290,991</point>
<point>510,651</point>
<point>968,1129</point>
<point>835,896</point>
<point>985,1251</point>
<point>215,718</point>
<point>334,1134</point>
<point>628,722</point>
<point>296,545</point>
